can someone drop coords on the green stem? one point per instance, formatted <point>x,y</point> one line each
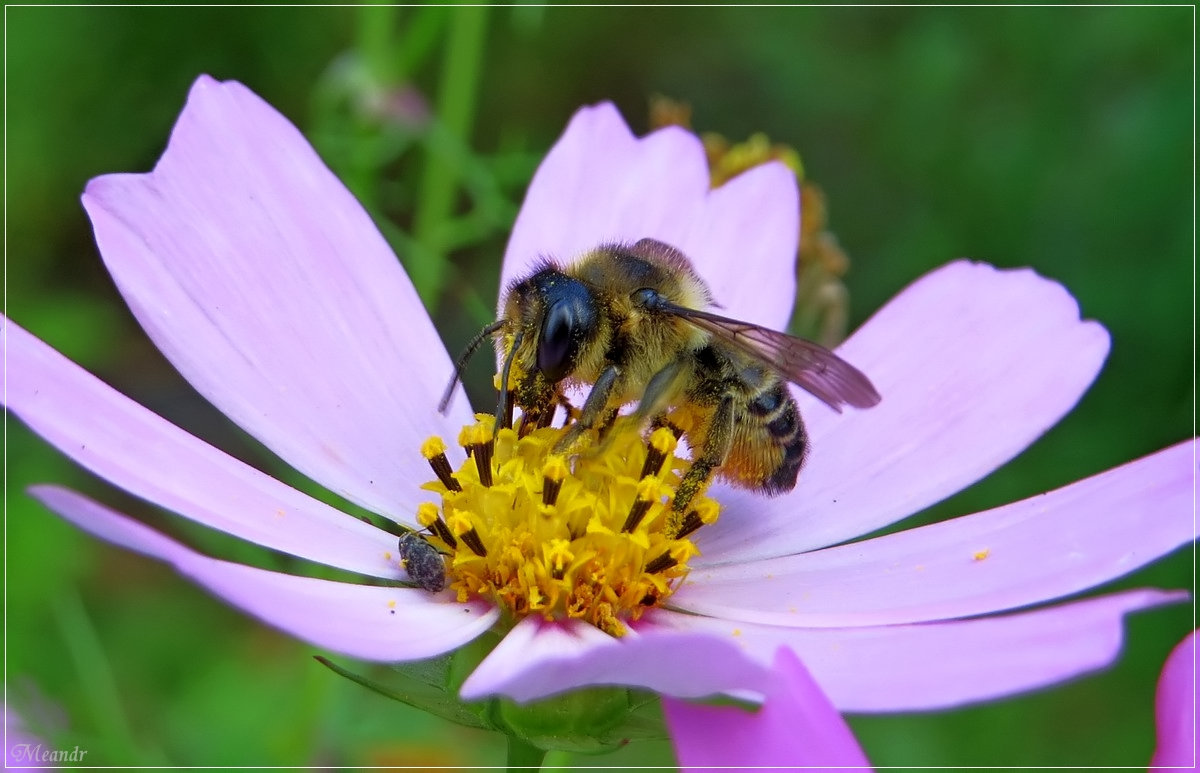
<point>556,762</point>
<point>95,677</point>
<point>376,30</point>
<point>523,756</point>
<point>456,112</point>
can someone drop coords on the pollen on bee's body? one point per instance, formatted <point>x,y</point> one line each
<point>582,536</point>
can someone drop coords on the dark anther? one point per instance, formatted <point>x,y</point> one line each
<point>482,453</point>
<point>441,468</point>
<point>654,461</point>
<point>471,540</point>
<point>661,564</point>
<point>550,489</point>
<point>691,522</point>
<point>443,532</point>
<point>636,513</point>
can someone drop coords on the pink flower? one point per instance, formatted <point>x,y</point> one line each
<point>266,284</point>
<point>1175,709</point>
<point>796,726</point>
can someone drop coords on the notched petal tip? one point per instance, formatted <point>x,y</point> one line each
<point>257,274</point>
<point>1038,287</point>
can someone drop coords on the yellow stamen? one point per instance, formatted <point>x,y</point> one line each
<point>647,494</point>
<point>563,537</point>
<point>662,444</point>
<point>434,451</point>
<point>429,517</point>
<point>554,472</point>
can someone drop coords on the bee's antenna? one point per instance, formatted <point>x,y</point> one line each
<point>464,358</point>
<point>502,405</point>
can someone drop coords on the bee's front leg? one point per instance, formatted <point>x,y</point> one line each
<point>712,453</point>
<point>593,409</point>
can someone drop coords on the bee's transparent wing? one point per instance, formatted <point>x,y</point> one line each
<point>804,363</point>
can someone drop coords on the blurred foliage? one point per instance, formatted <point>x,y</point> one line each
<point>1054,137</point>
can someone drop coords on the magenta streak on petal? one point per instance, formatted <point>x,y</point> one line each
<point>973,365</point>
<point>797,726</point>
<point>151,458</point>
<point>1042,548</point>
<point>1175,709</point>
<point>538,658</point>
<point>599,184</point>
<point>929,666</point>
<point>369,622</point>
<point>266,284</point>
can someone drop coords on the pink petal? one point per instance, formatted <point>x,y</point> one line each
<point>1042,548</point>
<point>939,665</point>
<point>600,184</point>
<point>745,245</point>
<point>973,365</point>
<point>538,658</point>
<point>369,622</point>
<point>21,747</point>
<point>266,284</point>
<point>151,458</point>
<point>796,726</point>
<point>1175,709</point>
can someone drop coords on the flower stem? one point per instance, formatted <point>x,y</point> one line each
<point>523,756</point>
<point>376,30</point>
<point>456,112</point>
<point>95,677</point>
<point>556,762</point>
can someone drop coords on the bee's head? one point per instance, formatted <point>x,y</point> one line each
<point>564,314</point>
<point>548,318</point>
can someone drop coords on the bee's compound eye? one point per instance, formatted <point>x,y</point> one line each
<point>646,297</point>
<point>560,340</point>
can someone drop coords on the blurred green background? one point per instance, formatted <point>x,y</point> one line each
<point>1059,138</point>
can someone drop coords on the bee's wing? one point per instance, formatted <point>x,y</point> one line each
<point>806,364</point>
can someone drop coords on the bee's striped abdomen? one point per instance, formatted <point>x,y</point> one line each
<point>777,410</point>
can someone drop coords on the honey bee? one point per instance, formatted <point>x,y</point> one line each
<point>628,323</point>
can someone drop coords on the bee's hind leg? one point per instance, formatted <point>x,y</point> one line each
<point>712,454</point>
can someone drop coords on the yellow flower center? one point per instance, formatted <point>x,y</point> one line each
<point>581,537</point>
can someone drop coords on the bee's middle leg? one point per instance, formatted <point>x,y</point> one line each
<point>662,388</point>
<point>712,454</point>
